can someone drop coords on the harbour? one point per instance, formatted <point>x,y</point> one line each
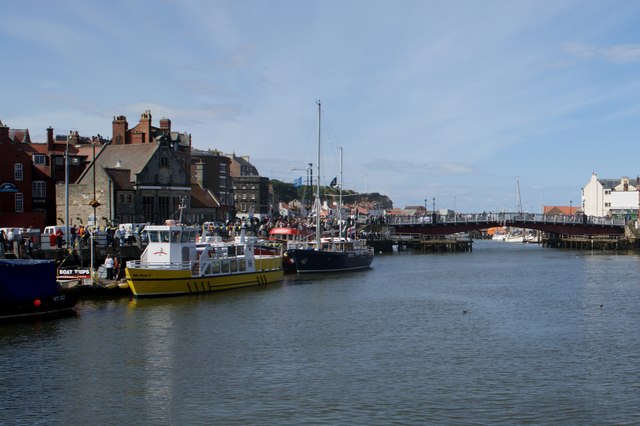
<point>504,334</point>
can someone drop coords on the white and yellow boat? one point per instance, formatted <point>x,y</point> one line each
<point>172,264</point>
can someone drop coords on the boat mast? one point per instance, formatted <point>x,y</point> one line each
<point>318,204</point>
<point>340,199</point>
<point>519,199</point>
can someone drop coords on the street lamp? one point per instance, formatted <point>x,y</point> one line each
<point>434,210</point>
<point>570,208</point>
<point>66,193</point>
<point>425,206</point>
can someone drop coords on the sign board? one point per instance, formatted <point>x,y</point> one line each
<point>8,187</point>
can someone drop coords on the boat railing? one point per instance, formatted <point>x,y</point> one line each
<point>159,265</point>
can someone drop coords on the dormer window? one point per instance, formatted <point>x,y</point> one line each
<point>39,159</point>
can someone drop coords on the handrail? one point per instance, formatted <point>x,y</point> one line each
<point>505,218</point>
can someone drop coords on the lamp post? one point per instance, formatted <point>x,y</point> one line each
<point>425,206</point>
<point>95,204</point>
<point>434,210</point>
<point>570,208</point>
<point>66,192</point>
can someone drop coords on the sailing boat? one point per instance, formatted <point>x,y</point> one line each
<point>333,254</point>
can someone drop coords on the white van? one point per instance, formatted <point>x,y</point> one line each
<point>54,230</point>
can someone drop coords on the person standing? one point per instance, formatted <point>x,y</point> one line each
<point>108,264</point>
<point>116,268</point>
<point>10,240</point>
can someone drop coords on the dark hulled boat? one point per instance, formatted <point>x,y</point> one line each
<point>334,255</point>
<point>329,254</point>
<point>29,289</point>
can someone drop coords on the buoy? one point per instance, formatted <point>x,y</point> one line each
<point>37,302</point>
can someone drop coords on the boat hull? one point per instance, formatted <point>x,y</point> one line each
<point>28,289</point>
<point>313,261</point>
<point>162,282</point>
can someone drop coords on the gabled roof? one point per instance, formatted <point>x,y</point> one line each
<point>19,135</point>
<point>201,197</point>
<point>121,179</point>
<point>130,157</point>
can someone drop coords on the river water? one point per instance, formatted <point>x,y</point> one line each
<point>506,334</point>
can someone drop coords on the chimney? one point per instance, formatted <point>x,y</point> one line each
<point>145,126</point>
<point>165,125</point>
<point>119,127</point>
<point>4,133</point>
<point>50,139</point>
<point>74,138</point>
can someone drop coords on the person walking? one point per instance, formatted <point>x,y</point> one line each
<point>108,264</point>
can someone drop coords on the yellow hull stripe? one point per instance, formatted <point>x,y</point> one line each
<point>157,282</point>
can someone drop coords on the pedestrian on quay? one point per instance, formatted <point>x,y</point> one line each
<point>116,268</point>
<point>10,237</point>
<point>3,240</point>
<point>108,264</point>
<point>59,238</point>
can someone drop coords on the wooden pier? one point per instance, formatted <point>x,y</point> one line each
<point>588,242</point>
<point>422,242</point>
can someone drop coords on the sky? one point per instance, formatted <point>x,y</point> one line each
<point>466,105</point>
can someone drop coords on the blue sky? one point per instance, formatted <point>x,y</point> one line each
<point>452,100</point>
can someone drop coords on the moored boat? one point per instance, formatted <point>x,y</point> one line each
<point>29,289</point>
<point>333,255</point>
<point>289,238</point>
<point>172,264</point>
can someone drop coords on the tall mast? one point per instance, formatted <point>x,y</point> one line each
<point>340,198</point>
<point>318,204</point>
<point>519,198</point>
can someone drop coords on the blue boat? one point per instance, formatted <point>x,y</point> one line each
<point>29,289</point>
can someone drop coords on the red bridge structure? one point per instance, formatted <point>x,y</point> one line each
<point>435,224</point>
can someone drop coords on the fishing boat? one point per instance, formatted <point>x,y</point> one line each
<point>29,289</point>
<point>289,237</point>
<point>172,264</point>
<point>334,254</point>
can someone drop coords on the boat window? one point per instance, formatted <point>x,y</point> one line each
<point>224,267</point>
<point>164,236</point>
<point>153,236</point>
<point>175,236</point>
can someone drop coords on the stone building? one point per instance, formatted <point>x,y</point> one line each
<point>211,170</point>
<point>253,195</point>
<point>135,183</point>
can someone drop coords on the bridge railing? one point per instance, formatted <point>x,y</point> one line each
<point>511,219</point>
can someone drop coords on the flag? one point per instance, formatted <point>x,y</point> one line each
<point>334,182</point>
<point>297,183</point>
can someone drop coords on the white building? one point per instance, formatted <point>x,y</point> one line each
<point>611,197</point>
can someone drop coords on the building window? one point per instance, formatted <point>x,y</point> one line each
<point>148,209</point>
<point>253,196</point>
<point>17,172</point>
<point>59,161</point>
<point>39,159</point>
<point>223,167</point>
<point>607,204</point>
<point>39,189</point>
<point>19,203</point>
<point>607,192</point>
<point>244,196</point>
<point>243,207</point>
